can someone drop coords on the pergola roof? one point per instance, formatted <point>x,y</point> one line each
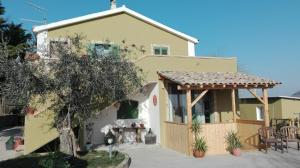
<point>217,79</point>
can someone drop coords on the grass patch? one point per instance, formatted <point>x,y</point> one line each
<point>93,159</point>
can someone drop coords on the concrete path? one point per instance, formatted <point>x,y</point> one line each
<point>157,157</point>
<point>4,136</point>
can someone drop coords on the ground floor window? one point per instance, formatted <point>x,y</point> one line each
<point>259,113</point>
<point>128,110</point>
<point>202,111</point>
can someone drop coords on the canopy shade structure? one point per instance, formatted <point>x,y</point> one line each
<point>215,80</point>
<point>205,81</point>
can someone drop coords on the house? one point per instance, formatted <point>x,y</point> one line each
<point>179,85</point>
<point>281,107</point>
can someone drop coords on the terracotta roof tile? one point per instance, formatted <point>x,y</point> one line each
<point>216,78</point>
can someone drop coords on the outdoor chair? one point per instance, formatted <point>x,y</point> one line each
<point>290,134</point>
<point>268,136</point>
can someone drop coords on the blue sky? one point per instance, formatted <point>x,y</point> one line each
<point>263,34</point>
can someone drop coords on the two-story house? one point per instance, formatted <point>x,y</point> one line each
<point>180,85</point>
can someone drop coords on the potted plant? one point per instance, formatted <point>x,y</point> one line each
<point>200,146</point>
<point>30,110</point>
<point>233,143</point>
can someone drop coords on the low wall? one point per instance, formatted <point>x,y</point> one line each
<point>176,137</point>
<point>215,136</point>
<point>248,132</point>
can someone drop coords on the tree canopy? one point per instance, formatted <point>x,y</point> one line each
<point>18,39</point>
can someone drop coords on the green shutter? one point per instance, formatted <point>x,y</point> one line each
<point>115,50</point>
<point>91,49</point>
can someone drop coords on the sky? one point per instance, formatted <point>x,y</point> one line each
<point>264,35</point>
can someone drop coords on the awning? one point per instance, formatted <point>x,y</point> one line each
<point>217,79</point>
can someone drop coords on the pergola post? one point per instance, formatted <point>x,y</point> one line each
<point>233,103</point>
<point>189,117</point>
<point>266,107</point>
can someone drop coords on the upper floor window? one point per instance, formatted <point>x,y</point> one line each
<point>102,50</point>
<point>161,50</point>
<point>56,46</point>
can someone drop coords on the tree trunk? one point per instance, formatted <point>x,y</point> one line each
<point>68,142</point>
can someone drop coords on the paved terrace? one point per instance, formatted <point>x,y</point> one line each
<point>156,157</point>
<point>4,136</point>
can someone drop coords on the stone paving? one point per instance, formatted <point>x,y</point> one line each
<point>4,136</point>
<point>157,157</point>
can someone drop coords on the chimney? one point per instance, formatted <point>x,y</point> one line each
<point>113,4</point>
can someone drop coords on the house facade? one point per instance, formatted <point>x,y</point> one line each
<point>281,107</point>
<point>163,104</point>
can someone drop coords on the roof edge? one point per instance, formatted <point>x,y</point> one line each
<point>61,23</point>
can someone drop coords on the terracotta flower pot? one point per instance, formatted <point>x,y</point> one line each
<point>30,110</point>
<point>18,142</point>
<point>236,152</point>
<point>198,154</point>
<point>142,125</point>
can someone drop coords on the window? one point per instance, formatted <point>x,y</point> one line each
<point>259,113</point>
<point>103,50</point>
<point>160,50</point>
<point>128,110</point>
<point>56,46</point>
<point>177,104</point>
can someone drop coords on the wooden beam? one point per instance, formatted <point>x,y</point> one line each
<point>199,97</point>
<point>255,95</point>
<point>216,113</point>
<point>203,87</point>
<point>266,107</point>
<point>233,103</point>
<point>189,117</point>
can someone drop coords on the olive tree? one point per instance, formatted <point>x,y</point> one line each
<point>82,82</point>
<point>86,83</point>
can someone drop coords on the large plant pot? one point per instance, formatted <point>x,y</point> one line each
<point>198,154</point>
<point>30,110</point>
<point>236,152</point>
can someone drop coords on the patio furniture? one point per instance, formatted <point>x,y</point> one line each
<point>268,136</point>
<point>290,134</point>
<point>123,133</point>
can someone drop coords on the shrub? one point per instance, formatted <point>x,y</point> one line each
<point>55,159</point>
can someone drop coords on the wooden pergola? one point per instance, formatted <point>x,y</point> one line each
<point>205,81</point>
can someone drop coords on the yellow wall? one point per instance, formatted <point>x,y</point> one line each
<point>289,107</point>
<point>248,108</point>
<point>38,128</point>
<point>152,64</point>
<point>121,27</point>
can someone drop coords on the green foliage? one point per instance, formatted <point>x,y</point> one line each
<point>196,128</point>
<point>233,141</point>
<point>128,110</point>
<point>200,144</point>
<point>54,159</point>
<point>18,40</point>
<point>87,84</point>
<point>93,159</point>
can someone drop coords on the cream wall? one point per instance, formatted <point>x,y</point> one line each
<point>121,27</point>
<point>248,108</point>
<point>289,107</point>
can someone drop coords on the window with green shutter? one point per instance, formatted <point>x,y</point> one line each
<point>100,50</point>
